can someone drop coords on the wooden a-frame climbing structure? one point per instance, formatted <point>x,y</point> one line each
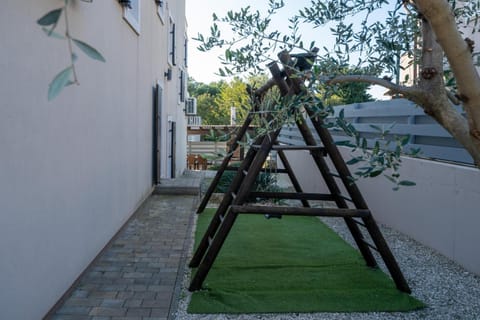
<point>357,215</point>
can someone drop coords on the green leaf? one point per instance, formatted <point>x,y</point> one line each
<point>89,50</point>
<point>364,143</point>
<point>390,178</point>
<point>59,82</point>
<point>50,18</point>
<point>346,143</point>
<point>375,173</point>
<point>53,34</point>
<point>404,140</point>
<point>376,148</point>
<point>377,128</point>
<point>407,183</point>
<point>354,160</point>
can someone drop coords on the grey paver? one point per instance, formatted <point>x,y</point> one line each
<point>107,311</point>
<point>156,303</point>
<point>69,317</point>
<point>103,294</point>
<point>139,312</point>
<point>112,303</point>
<point>85,302</point>
<point>160,312</point>
<point>145,295</point>
<point>132,303</point>
<point>125,295</point>
<point>135,277</point>
<point>74,310</point>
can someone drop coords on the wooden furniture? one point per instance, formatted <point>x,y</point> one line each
<point>350,204</point>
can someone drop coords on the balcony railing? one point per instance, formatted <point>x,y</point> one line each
<point>194,120</point>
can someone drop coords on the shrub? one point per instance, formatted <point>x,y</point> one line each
<point>265,181</point>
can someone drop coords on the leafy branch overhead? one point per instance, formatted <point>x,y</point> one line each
<point>67,76</point>
<point>375,41</point>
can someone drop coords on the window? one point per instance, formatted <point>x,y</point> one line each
<point>171,43</point>
<point>191,106</point>
<point>131,13</point>
<point>161,8</point>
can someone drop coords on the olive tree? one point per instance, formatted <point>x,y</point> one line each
<point>431,34</point>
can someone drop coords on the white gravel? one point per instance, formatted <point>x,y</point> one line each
<point>448,290</point>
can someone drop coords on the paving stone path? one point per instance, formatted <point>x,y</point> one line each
<point>135,278</point>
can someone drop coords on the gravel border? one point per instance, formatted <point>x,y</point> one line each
<point>448,290</point>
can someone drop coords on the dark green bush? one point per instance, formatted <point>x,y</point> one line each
<point>266,180</point>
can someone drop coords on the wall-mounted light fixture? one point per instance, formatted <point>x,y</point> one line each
<point>168,74</point>
<point>125,3</point>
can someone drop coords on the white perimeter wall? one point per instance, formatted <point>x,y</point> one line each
<point>442,211</point>
<point>73,170</point>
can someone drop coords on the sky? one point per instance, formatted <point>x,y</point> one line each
<point>202,66</point>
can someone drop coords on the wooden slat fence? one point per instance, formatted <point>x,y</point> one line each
<point>434,141</point>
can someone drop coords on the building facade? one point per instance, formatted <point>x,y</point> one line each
<point>75,168</point>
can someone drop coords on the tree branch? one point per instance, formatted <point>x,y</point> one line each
<point>409,92</point>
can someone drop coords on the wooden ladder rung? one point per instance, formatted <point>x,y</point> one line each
<point>276,170</point>
<point>293,195</point>
<point>301,211</point>
<point>293,147</point>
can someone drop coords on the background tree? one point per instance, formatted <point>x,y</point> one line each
<point>234,94</point>
<point>207,101</point>
<point>215,99</point>
<point>207,108</point>
<point>198,88</point>
<point>427,31</point>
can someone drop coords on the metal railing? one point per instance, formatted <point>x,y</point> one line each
<point>194,120</point>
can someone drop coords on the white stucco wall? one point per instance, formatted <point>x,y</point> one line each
<point>441,211</point>
<point>73,170</point>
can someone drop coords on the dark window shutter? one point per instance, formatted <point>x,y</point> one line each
<point>185,59</point>
<point>182,86</point>
<point>173,45</point>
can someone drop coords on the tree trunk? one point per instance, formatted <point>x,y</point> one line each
<point>442,21</point>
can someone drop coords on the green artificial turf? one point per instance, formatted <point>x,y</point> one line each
<point>293,264</point>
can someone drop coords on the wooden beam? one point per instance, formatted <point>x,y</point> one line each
<point>293,195</point>
<point>300,211</point>
<point>294,147</point>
